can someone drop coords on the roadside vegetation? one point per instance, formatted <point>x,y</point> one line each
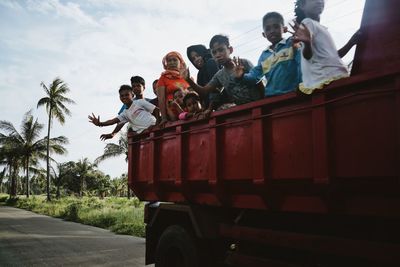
<point>73,190</point>
<point>120,215</point>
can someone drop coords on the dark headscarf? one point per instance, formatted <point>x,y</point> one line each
<point>199,49</point>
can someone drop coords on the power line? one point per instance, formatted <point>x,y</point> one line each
<point>285,14</point>
<point>331,21</point>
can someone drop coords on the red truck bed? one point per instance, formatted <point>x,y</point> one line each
<point>337,151</point>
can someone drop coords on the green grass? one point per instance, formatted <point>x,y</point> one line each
<point>120,215</point>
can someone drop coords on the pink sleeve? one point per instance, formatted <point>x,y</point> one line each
<point>182,115</point>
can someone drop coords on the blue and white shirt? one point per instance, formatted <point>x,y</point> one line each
<point>280,66</point>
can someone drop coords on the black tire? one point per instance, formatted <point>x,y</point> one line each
<point>177,248</point>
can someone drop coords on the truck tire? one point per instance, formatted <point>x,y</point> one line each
<point>177,248</point>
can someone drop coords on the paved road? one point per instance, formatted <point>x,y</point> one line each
<point>29,239</point>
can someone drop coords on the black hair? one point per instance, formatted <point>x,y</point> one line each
<point>191,95</point>
<point>199,49</point>
<point>275,15</point>
<point>221,39</point>
<point>137,79</point>
<point>155,81</point>
<point>125,87</point>
<point>298,12</point>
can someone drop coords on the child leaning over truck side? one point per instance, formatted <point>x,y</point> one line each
<point>279,63</point>
<point>321,62</point>
<point>193,106</point>
<point>234,91</point>
<point>140,113</point>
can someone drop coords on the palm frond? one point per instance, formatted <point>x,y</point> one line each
<point>45,101</point>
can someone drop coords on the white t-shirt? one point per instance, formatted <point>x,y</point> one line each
<point>139,115</point>
<point>325,65</point>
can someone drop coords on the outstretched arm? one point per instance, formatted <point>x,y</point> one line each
<point>96,121</point>
<point>199,89</point>
<point>353,41</point>
<point>117,128</point>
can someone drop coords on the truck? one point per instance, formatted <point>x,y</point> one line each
<point>291,180</point>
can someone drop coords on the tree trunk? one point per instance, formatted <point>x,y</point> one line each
<point>27,177</point>
<point>48,159</point>
<point>13,191</point>
<point>58,190</point>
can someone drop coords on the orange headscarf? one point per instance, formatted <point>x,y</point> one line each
<point>173,74</point>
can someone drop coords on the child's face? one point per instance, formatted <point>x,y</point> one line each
<point>197,60</point>
<point>173,63</point>
<point>192,105</point>
<point>312,8</point>
<point>221,53</point>
<point>137,88</point>
<point>155,88</point>
<point>273,30</point>
<point>126,96</point>
<point>178,97</point>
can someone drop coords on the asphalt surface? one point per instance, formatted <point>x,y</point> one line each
<point>29,239</point>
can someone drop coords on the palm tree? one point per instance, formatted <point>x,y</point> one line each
<point>27,145</point>
<point>2,175</point>
<point>112,150</point>
<point>10,156</point>
<point>83,170</point>
<point>54,101</point>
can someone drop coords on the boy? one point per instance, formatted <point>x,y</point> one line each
<point>234,91</point>
<point>138,87</point>
<point>140,113</point>
<point>154,101</point>
<point>280,63</point>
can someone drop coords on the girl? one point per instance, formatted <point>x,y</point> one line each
<point>321,62</point>
<point>176,106</point>
<point>193,106</point>
<point>201,58</point>
<point>168,83</point>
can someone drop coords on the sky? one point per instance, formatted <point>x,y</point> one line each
<point>97,45</point>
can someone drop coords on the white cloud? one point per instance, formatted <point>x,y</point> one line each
<point>70,10</point>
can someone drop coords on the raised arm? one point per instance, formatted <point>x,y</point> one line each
<point>96,121</point>
<point>302,34</point>
<point>113,133</point>
<point>353,41</point>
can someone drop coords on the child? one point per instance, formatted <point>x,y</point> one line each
<point>192,104</point>
<point>234,91</point>
<point>280,63</point>
<point>321,62</point>
<point>154,101</point>
<point>138,86</point>
<point>201,58</point>
<point>140,113</point>
<point>176,106</point>
<point>169,81</point>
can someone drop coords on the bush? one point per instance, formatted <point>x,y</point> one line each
<point>12,201</point>
<point>71,212</point>
<point>3,198</point>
